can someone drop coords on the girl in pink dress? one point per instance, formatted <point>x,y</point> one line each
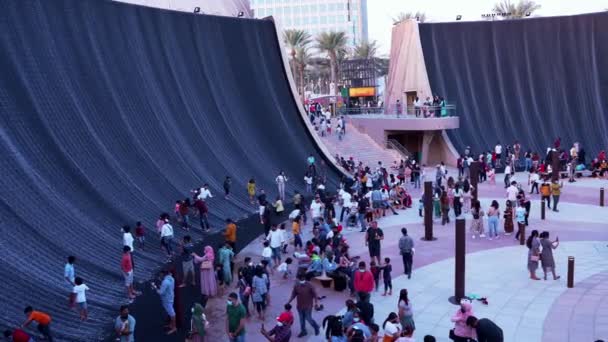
<point>208,281</point>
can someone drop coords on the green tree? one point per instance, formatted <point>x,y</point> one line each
<point>366,50</point>
<point>295,39</point>
<point>302,59</point>
<point>420,16</point>
<point>334,45</point>
<point>514,11</point>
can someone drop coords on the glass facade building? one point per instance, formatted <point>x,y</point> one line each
<point>316,16</point>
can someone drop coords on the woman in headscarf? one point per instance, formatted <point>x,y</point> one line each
<point>462,332</point>
<point>208,281</point>
<point>197,324</point>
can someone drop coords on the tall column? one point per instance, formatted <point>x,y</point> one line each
<point>459,262</point>
<point>555,166</point>
<point>427,138</point>
<point>428,211</point>
<point>474,171</point>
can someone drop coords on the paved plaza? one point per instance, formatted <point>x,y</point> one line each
<point>527,310</point>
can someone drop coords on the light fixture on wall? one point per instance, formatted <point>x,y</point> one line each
<point>197,10</point>
<point>241,14</point>
<point>459,17</point>
<point>528,14</point>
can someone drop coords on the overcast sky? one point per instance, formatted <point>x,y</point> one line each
<point>381,12</point>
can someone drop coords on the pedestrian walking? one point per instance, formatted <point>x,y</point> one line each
<point>406,315</point>
<point>306,299</point>
<point>556,190</point>
<point>406,249</point>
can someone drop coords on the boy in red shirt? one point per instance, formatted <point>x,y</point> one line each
<point>140,233</point>
<point>17,335</point>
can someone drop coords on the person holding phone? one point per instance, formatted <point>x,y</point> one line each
<point>546,255</point>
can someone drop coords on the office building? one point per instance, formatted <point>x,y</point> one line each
<point>316,16</point>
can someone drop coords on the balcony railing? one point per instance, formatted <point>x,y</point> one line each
<point>407,112</point>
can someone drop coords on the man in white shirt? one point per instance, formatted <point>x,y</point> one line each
<point>417,105</point>
<point>534,179</point>
<point>166,236</point>
<point>507,175</point>
<point>308,182</point>
<point>275,237</point>
<point>498,151</point>
<point>345,198</point>
<point>127,237</point>
<point>512,192</point>
<point>205,193</point>
<point>316,209</point>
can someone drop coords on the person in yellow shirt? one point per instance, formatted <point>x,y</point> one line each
<point>295,229</point>
<point>251,190</point>
<point>556,191</point>
<point>230,233</point>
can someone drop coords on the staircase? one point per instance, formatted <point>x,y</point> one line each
<point>361,147</point>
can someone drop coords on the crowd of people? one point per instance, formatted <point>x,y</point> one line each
<point>362,199</point>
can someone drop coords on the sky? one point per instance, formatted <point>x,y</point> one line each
<point>381,12</point>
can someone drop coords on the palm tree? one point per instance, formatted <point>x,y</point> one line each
<point>333,44</point>
<point>366,50</point>
<point>514,11</point>
<point>295,39</point>
<point>302,58</point>
<point>419,16</point>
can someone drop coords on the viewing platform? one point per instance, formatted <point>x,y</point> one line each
<point>423,137</point>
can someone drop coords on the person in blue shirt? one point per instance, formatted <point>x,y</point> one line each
<point>358,325</point>
<point>167,296</point>
<point>125,325</point>
<point>69,273</point>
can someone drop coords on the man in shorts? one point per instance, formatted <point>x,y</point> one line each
<point>167,297</point>
<point>373,236</point>
<point>126,265</point>
<point>187,260</point>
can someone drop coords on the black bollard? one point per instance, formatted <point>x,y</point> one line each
<point>542,209</point>
<point>570,272</point>
<point>428,212</point>
<point>522,233</point>
<point>601,197</point>
<point>459,262</point>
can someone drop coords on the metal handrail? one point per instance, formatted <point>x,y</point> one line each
<point>408,111</point>
<point>397,146</point>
